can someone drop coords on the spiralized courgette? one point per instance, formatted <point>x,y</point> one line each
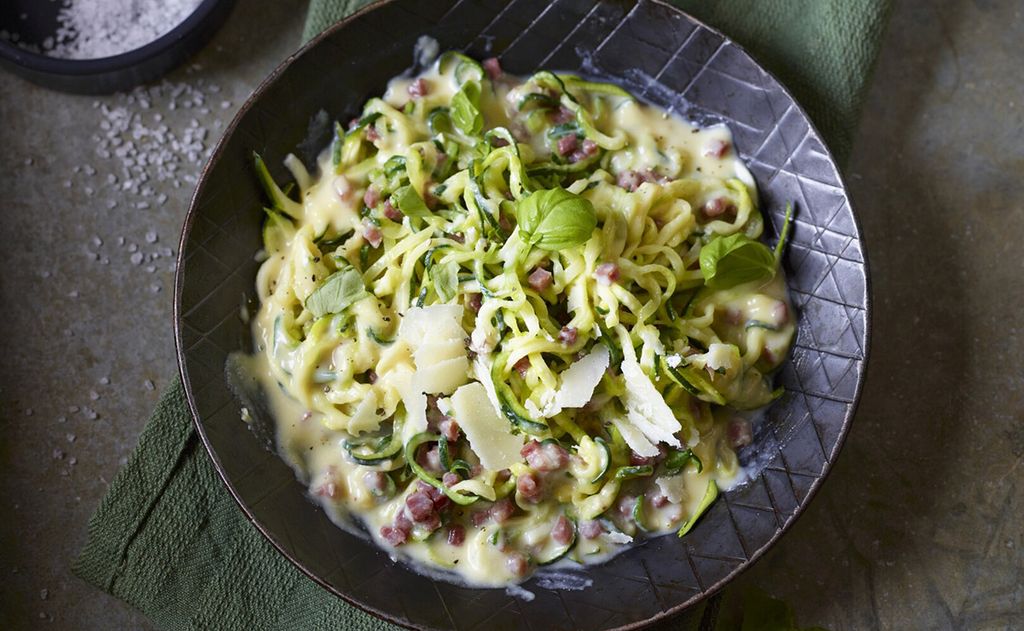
<point>571,278</point>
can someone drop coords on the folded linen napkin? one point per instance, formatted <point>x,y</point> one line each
<point>168,538</point>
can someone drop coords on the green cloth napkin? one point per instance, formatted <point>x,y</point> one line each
<point>168,538</point>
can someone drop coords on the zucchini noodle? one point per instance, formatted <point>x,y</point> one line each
<point>507,322</point>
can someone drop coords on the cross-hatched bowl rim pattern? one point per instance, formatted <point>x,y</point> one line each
<point>702,75</point>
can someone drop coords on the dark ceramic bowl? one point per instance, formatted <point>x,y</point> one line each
<point>35,20</point>
<point>655,51</point>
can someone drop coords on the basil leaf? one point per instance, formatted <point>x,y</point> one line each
<point>337,292</point>
<point>677,460</point>
<point>407,200</point>
<point>465,110</point>
<point>446,280</point>
<point>736,259</point>
<point>555,219</point>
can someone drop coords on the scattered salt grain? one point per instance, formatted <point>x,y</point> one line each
<point>149,385</point>
<point>95,396</point>
<point>58,454</point>
<point>137,258</point>
<point>71,438</point>
<point>105,380</point>
<point>44,594</point>
<point>151,237</point>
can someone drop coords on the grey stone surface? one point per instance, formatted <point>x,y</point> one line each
<point>919,525</point>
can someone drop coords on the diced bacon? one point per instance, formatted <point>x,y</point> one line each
<point>450,479</point>
<point>636,460</point>
<point>492,67</point>
<point>430,199</point>
<point>479,518</point>
<point>456,535</point>
<point>372,234</point>
<point>733,316</point>
<point>625,505</point>
<point>529,488</point>
<point>588,150</point>
<point>716,148</point>
<point>442,502</point>
<point>372,134</point>
<point>716,207</point>
<point>568,335</point>
<point>548,456</point>
<point>522,366</point>
<point>658,500</point>
<point>431,523</point>
<point>391,212</point>
<point>498,142</point>
<point>449,429</point>
<point>393,536</point>
<point>402,521</point>
<point>540,279</point>
<point>591,529</point>
<point>650,175</point>
<point>419,88</point>
<point>567,144</point>
<point>371,197</point>
<point>432,459</point>
<point>629,180</point>
<point>474,302</point>
<point>343,188</point>
<point>420,506</point>
<point>328,489</point>
<point>563,115</point>
<point>504,222</point>
<point>740,433</point>
<point>781,313</point>
<point>562,532</point>
<point>517,564</point>
<point>607,273</point>
<point>352,124</point>
<point>376,481</point>
<point>502,510</point>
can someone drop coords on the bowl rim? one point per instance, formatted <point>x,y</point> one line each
<point>706,594</point>
<point>58,66</point>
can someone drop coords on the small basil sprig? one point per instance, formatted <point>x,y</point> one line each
<point>677,460</point>
<point>465,109</point>
<point>555,219</point>
<point>409,202</point>
<point>736,259</point>
<point>446,280</point>
<point>340,289</point>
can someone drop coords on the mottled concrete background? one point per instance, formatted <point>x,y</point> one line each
<point>919,526</point>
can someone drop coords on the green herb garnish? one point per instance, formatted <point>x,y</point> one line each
<point>555,219</point>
